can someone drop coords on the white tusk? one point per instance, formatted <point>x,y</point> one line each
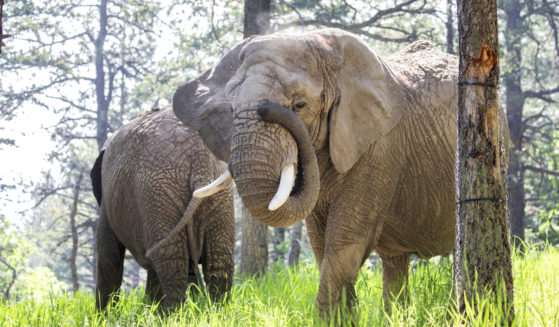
<point>219,184</point>
<point>287,180</point>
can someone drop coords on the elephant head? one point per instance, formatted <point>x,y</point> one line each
<point>274,102</point>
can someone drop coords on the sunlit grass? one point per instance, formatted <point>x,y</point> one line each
<point>285,297</point>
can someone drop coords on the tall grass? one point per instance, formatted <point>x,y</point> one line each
<point>285,297</point>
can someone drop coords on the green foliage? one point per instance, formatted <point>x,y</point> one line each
<point>388,25</point>
<point>14,249</point>
<point>543,189</point>
<point>285,297</point>
<point>39,283</point>
<point>200,35</point>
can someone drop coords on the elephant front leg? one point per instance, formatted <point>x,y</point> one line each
<point>350,238</point>
<point>338,274</point>
<point>109,264</point>
<point>395,278</point>
<point>316,229</point>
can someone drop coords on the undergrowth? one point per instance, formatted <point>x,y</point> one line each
<point>285,297</point>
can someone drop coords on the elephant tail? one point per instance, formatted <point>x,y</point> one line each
<point>185,220</point>
<point>95,175</point>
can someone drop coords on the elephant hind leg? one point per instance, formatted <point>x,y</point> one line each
<point>153,287</point>
<point>395,278</point>
<point>109,264</point>
<point>171,265</point>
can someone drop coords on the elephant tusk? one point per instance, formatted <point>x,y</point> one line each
<point>219,184</point>
<point>287,180</point>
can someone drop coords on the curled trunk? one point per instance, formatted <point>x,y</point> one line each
<point>264,144</point>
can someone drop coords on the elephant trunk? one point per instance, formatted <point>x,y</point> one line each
<point>264,151</point>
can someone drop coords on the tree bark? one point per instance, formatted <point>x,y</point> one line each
<point>2,35</point>
<point>515,106</point>
<point>103,102</point>
<point>449,27</point>
<point>14,277</point>
<point>257,17</point>
<point>135,269</point>
<point>483,250</point>
<point>295,248</point>
<point>74,229</point>
<point>254,245</point>
<point>279,238</point>
<point>94,223</point>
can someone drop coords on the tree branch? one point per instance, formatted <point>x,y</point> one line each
<point>541,170</point>
<point>14,276</point>
<point>541,94</point>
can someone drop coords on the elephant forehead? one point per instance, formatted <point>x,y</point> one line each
<point>270,82</point>
<point>287,51</point>
<point>268,69</point>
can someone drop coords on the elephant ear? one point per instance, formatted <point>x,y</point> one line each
<point>201,104</point>
<point>371,101</point>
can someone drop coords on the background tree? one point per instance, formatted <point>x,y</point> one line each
<point>531,81</point>
<point>483,251</point>
<point>13,254</point>
<point>147,49</point>
<point>2,35</point>
<point>110,47</point>
<point>254,246</point>
<point>295,246</point>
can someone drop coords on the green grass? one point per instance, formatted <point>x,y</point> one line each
<point>285,297</point>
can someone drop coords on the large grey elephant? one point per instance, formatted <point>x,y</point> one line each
<point>143,179</point>
<point>360,145</point>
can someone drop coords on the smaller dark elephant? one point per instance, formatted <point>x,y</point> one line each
<point>144,180</point>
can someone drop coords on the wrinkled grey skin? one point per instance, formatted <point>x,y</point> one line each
<point>375,152</point>
<point>144,179</point>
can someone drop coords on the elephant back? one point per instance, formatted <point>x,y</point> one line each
<point>429,74</point>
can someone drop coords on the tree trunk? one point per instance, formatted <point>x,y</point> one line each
<point>93,225</point>
<point>257,17</point>
<point>2,36</point>
<point>103,102</point>
<point>449,27</point>
<point>515,105</point>
<point>254,245</point>
<point>14,277</point>
<point>74,229</point>
<point>295,248</point>
<point>483,251</point>
<point>279,238</point>
<point>135,271</point>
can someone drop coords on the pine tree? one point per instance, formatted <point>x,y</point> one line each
<point>483,250</point>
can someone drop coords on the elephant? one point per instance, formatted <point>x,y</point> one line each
<point>143,181</point>
<point>317,126</point>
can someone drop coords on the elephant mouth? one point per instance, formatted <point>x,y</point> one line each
<point>306,160</point>
<point>298,178</point>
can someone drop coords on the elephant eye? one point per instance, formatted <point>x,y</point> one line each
<point>299,105</point>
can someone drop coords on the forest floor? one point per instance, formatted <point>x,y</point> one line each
<point>285,297</point>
